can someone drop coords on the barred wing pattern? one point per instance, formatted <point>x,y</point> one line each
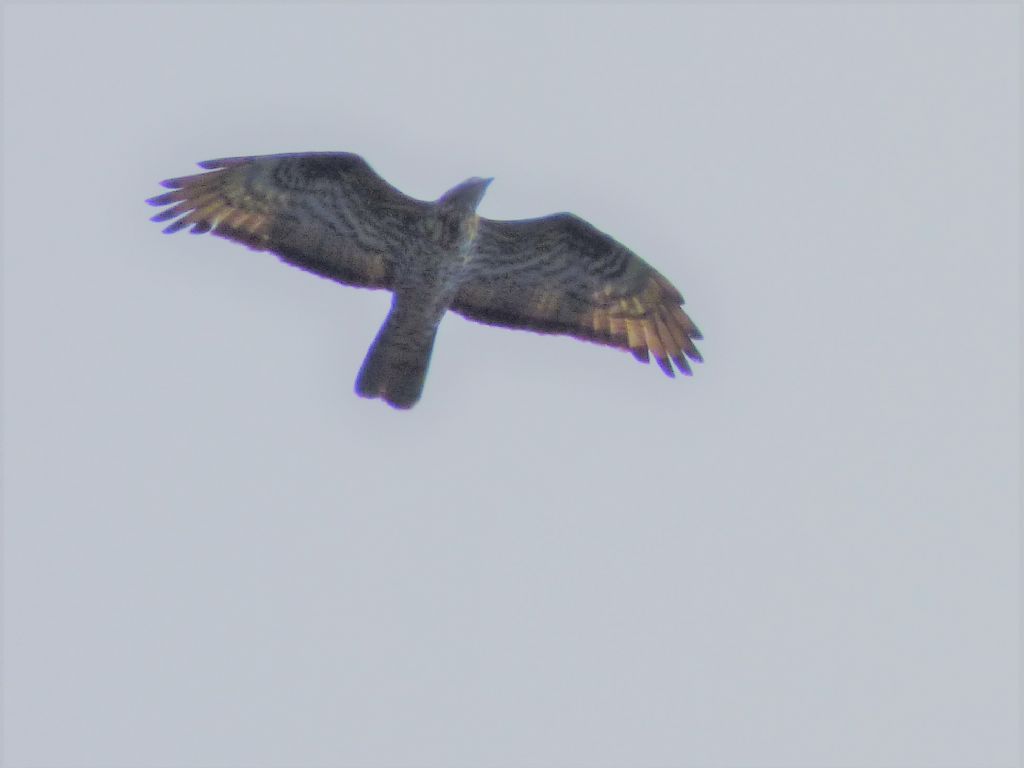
<point>331,214</point>
<point>327,212</point>
<point>560,274</point>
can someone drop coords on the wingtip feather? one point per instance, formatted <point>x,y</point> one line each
<point>684,367</point>
<point>175,226</point>
<point>221,162</point>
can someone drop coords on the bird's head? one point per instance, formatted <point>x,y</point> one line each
<point>456,219</point>
<point>465,197</point>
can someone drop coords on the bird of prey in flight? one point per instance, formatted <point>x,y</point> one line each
<point>331,214</point>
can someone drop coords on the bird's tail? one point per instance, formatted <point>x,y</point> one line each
<point>396,365</point>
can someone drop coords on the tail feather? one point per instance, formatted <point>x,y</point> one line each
<point>395,368</point>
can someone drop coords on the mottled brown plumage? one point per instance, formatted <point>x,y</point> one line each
<point>331,214</point>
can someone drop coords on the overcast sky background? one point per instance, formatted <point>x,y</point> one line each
<point>806,555</point>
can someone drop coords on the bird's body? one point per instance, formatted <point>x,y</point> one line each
<point>329,213</point>
<point>426,279</point>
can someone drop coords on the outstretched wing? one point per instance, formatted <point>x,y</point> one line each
<point>559,274</point>
<point>327,212</point>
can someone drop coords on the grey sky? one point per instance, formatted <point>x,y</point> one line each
<point>806,555</point>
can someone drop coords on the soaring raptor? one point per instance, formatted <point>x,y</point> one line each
<point>331,214</point>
